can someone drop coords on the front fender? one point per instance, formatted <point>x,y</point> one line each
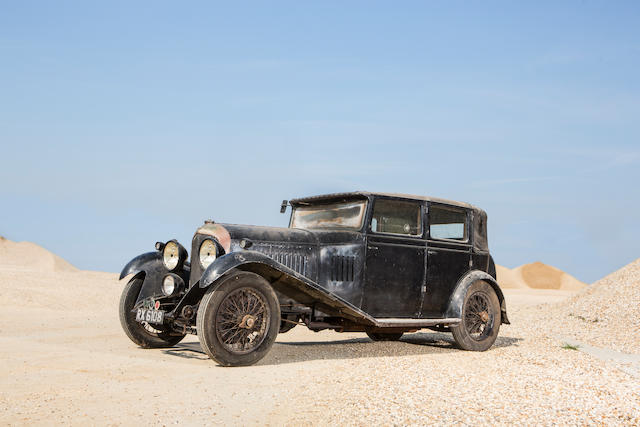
<point>284,280</point>
<point>150,268</point>
<point>457,298</point>
<point>142,263</point>
<point>237,260</point>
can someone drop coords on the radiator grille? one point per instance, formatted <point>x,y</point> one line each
<point>342,268</point>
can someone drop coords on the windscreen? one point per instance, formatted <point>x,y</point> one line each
<point>334,215</point>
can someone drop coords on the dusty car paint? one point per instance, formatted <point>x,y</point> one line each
<point>218,232</point>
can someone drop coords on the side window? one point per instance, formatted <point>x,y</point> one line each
<point>447,223</point>
<point>396,217</point>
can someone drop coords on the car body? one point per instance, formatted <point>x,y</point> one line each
<point>379,263</point>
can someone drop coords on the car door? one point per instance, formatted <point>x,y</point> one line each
<point>394,261</point>
<point>448,255</point>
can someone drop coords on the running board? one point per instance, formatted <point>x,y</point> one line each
<point>413,323</point>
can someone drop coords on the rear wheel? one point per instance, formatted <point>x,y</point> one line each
<point>480,318</point>
<point>143,334</point>
<point>238,321</point>
<point>378,336</point>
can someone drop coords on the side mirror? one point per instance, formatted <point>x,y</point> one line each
<point>283,206</point>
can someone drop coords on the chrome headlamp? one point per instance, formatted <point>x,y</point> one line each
<point>208,253</point>
<point>168,285</point>
<point>173,255</point>
<point>172,285</point>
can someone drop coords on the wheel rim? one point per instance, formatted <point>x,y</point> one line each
<point>478,318</point>
<point>242,321</point>
<point>150,329</point>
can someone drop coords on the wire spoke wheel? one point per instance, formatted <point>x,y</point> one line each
<point>147,327</point>
<point>238,319</point>
<point>143,333</point>
<point>242,320</point>
<point>480,318</point>
<point>477,316</point>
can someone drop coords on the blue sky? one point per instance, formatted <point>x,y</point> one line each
<point>123,123</point>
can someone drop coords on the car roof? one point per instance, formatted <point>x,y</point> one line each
<point>479,223</point>
<point>367,194</point>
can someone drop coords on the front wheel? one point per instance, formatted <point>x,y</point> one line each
<point>238,321</point>
<point>481,318</point>
<point>143,334</point>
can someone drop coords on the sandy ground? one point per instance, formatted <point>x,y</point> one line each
<point>65,360</point>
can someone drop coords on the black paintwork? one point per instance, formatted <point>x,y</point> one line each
<point>342,277</point>
<point>285,281</point>
<point>149,266</point>
<point>395,276</point>
<point>447,262</point>
<point>454,308</point>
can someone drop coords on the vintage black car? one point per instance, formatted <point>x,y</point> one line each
<point>384,264</point>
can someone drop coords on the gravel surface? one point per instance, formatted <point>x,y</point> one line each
<point>528,377</point>
<point>64,359</point>
<point>606,314</point>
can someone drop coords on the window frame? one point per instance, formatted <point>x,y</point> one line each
<point>467,222</point>
<point>360,229</point>
<point>421,221</point>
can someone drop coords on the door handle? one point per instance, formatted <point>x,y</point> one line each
<point>430,252</point>
<point>372,247</point>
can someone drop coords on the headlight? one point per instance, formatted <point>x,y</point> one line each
<point>168,285</point>
<point>208,253</point>
<point>171,255</point>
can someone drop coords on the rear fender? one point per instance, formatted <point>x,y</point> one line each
<point>284,280</point>
<point>457,298</point>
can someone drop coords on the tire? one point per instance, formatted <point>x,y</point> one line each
<point>239,320</point>
<point>143,335</point>
<point>481,318</point>
<point>378,336</point>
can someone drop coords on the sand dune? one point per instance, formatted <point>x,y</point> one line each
<point>541,276</point>
<point>29,256</point>
<point>509,279</point>
<point>537,276</point>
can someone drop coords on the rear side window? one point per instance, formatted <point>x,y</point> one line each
<point>448,223</point>
<point>396,217</point>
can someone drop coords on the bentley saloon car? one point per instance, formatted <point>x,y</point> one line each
<point>383,264</point>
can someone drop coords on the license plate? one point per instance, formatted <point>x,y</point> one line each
<point>150,316</point>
